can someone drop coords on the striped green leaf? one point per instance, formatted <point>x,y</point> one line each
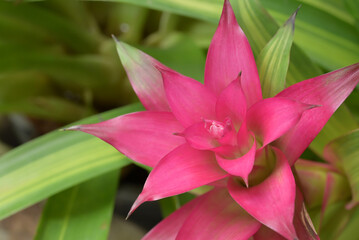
<point>333,7</point>
<point>259,28</point>
<point>326,39</point>
<point>208,10</point>
<point>317,31</point>
<point>344,151</point>
<point>273,60</point>
<point>55,162</point>
<point>353,8</point>
<point>85,71</point>
<point>81,212</point>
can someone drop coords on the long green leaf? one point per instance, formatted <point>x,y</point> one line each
<point>317,31</point>
<point>26,22</point>
<point>273,61</point>
<point>333,7</point>
<point>208,10</point>
<point>86,71</point>
<point>54,162</point>
<point>353,8</point>
<point>345,152</point>
<point>329,41</point>
<point>81,212</point>
<point>43,107</point>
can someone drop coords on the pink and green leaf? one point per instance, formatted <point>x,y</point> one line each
<point>344,153</point>
<point>144,76</point>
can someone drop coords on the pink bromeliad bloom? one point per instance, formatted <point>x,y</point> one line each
<point>223,133</point>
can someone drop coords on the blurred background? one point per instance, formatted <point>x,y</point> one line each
<point>58,64</point>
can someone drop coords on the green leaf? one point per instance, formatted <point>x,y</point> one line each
<point>317,31</point>
<point>273,61</point>
<point>27,22</point>
<point>208,10</point>
<point>81,212</point>
<point>322,176</point>
<point>353,8</point>
<point>181,54</point>
<point>344,151</point>
<point>259,28</point>
<point>327,40</point>
<point>43,107</point>
<point>81,71</point>
<point>333,7</point>
<point>335,219</point>
<point>351,228</point>
<point>54,162</point>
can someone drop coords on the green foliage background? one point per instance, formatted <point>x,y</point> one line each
<point>59,63</point>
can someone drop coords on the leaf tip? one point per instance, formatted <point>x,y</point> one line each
<point>291,19</point>
<point>72,128</point>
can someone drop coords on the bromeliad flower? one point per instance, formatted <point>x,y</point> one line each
<point>223,132</point>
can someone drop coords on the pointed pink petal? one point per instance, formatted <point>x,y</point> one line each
<point>232,103</point>
<point>244,137</point>
<point>183,169</point>
<point>240,166</point>
<point>189,100</point>
<point>198,137</point>
<point>217,216</point>
<point>145,137</point>
<point>272,201</point>
<point>272,117</point>
<point>328,91</point>
<point>228,55</point>
<point>303,225</point>
<point>168,228</point>
<point>145,79</point>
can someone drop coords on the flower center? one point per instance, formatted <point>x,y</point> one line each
<point>217,129</point>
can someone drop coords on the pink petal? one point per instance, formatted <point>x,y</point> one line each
<point>190,101</point>
<point>329,91</point>
<point>272,117</point>
<point>228,55</point>
<point>244,137</point>
<point>232,103</point>
<point>204,135</point>
<point>145,137</point>
<point>303,225</point>
<point>168,228</point>
<point>272,201</point>
<point>183,169</point>
<point>145,79</point>
<point>198,137</point>
<point>240,166</point>
<point>217,216</point>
